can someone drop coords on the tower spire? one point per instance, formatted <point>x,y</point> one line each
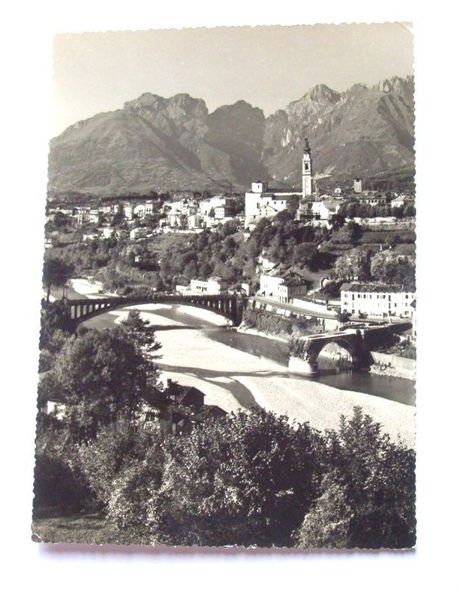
<point>307,170</point>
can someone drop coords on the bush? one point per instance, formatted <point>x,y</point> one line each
<point>57,487</point>
<point>274,324</point>
<point>243,479</point>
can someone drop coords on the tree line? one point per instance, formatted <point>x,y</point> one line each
<point>244,478</point>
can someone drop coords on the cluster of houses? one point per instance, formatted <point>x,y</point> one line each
<point>307,204</point>
<point>183,214</point>
<point>87,214</point>
<point>317,210</point>
<point>193,214</point>
<point>189,214</point>
<point>213,286</point>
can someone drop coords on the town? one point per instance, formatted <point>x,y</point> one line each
<point>367,229</point>
<point>227,352</point>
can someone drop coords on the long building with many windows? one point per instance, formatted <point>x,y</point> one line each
<point>376,299</point>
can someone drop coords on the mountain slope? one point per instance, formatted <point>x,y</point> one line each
<point>360,132</point>
<point>156,143</point>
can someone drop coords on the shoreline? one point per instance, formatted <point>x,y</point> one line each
<point>237,380</point>
<point>263,334</point>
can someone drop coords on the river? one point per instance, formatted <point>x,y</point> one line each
<point>236,370</point>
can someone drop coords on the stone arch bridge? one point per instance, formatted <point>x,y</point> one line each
<point>358,341</point>
<point>229,306</point>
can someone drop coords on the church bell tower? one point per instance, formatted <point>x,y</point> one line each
<point>307,170</point>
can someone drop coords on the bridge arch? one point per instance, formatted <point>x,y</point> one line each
<point>305,357</point>
<point>228,306</point>
<point>351,353</point>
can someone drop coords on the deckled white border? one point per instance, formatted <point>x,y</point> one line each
<point>26,32</point>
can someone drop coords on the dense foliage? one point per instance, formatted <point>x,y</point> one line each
<point>275,324</point>
<point>387,266</point>
<point>99,376</point>
<point>55,272</point>
<point>247,479</point>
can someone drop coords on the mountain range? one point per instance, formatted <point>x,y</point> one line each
<point>156,143</point>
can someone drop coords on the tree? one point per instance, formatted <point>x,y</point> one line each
<point>354,264</point>
<point>355,231</point>
<point>54,317</point>
<point>390,267</point>
<point>328,524</point>
<point>303,253</point>
<point>103,459</point>
<point>55,272</point>
<point>409,210</point>
<point>143,334</point>
<point>244,479</point>
<point>100,376</point>
<point>342,317</point>
<point>377,477</point>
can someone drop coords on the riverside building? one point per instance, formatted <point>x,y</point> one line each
<point>376,299</point>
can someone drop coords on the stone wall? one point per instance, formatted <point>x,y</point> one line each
<point>393,366</point>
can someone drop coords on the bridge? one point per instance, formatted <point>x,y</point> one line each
<point>358,341</point>
<point>229,306</point>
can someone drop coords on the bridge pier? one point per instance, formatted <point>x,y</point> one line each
<point>310,367</point>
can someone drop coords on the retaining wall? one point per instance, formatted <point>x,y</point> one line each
<point>392,365</point>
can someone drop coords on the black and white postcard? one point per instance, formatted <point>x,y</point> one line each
<point>228,318</point>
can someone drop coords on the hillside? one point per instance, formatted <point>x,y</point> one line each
<point>156,143</point>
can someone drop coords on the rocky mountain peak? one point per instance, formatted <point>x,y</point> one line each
<point>174,143</point>
<point>146,100</point>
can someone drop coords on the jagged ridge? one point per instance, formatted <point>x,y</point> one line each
<point>156,143</point>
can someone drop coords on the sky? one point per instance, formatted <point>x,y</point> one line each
<point>267,66</point>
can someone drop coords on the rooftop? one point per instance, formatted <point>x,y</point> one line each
<point>372,286</point>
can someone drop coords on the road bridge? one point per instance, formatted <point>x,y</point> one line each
<point>227,305</point>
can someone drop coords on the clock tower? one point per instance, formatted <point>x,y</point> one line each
<point>307,170</point>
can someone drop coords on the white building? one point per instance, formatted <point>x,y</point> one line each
<point>138,232</point>
<point>148,208</point>
<point>214,285</point>
<point>399,201</point>
<point>282,288</point>
<point>325,209</point>
<point>222,212</point>
<point>266,264</point>
<point>194,221</point>
<point>376,299</point>
<point>128,210</point>
<point>107,232</point>
<point>358,186</point>
<point>139,210</point>
<point>261,202</point>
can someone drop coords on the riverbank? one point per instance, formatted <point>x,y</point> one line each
<point>233,379</point>
<point>391,365</point>
<point>236,380</point>
<point>89,288</point>
<point>243,328</point>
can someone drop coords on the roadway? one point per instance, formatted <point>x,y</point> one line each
<point>296,309</point>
